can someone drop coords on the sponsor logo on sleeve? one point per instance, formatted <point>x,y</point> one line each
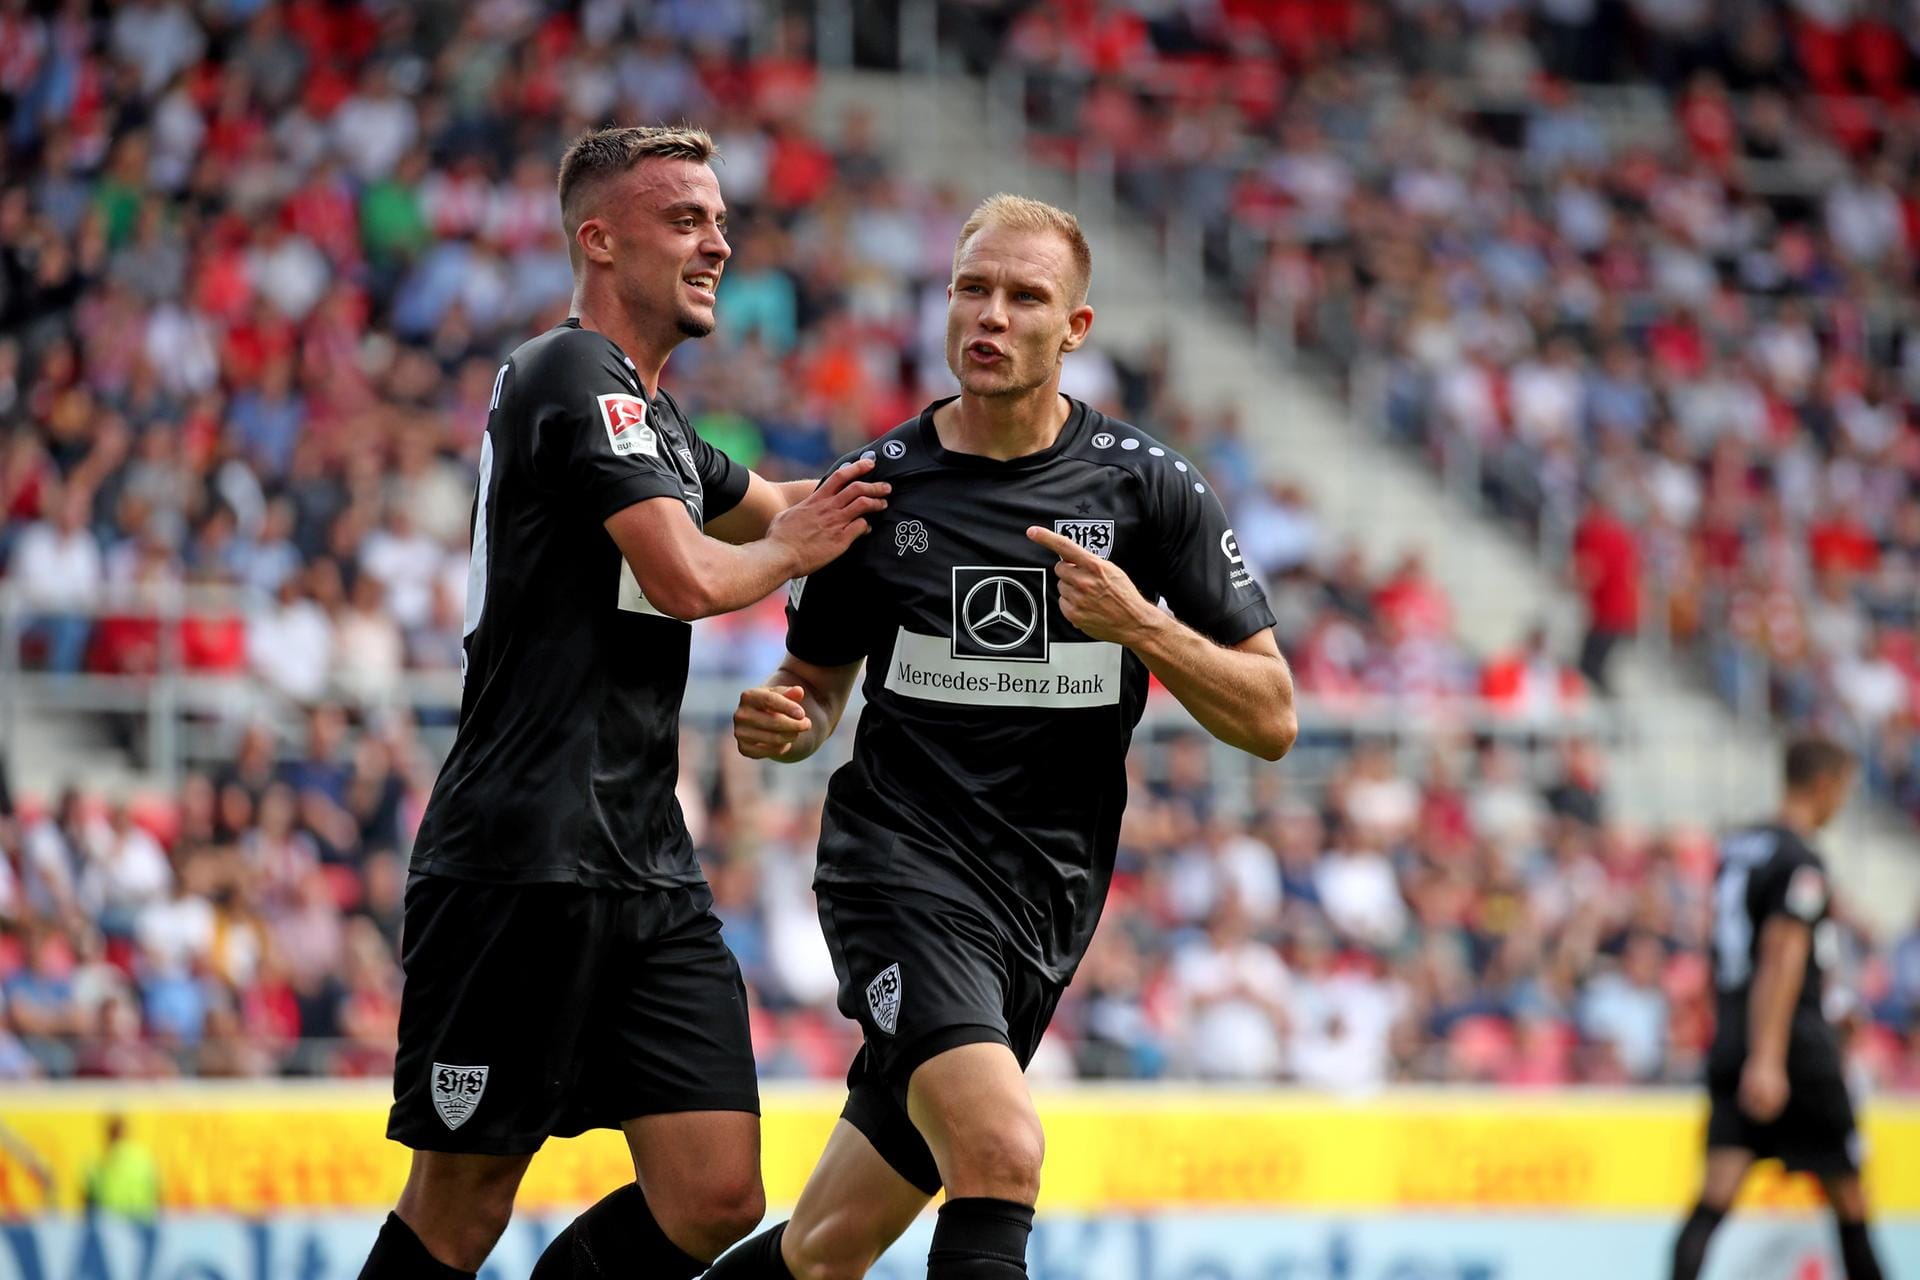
<point>1807,893</point>
<point>1237,573</point>
<point>883,999</point>
<point>456,1092</point>
<point>625,418</point>
<point>1095,535</point>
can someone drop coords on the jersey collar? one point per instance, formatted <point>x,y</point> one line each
<point>1070,432</point>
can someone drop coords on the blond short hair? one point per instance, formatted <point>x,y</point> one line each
<point>600,154</point>
<point>1020,213</point>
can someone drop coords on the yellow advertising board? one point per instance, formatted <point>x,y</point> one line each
<point>252,1149</point>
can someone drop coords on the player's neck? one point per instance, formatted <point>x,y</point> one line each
<point>649,357</point>
<point>1797,816</point>
<point>1003,427</point>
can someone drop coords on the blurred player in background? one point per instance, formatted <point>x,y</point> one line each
<point>1008,622</point>
<point>564,968</point>
<point>1775,1073</point>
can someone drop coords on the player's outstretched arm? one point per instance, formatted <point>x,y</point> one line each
<point>794,712</point>
<point>1242,695</point>
<point>1782,967</point>
<point>758,509</point>
<point>689,575</point>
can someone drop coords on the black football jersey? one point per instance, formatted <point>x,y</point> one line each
<point>1768,871</point>
<point>989,762</point>
<point>564,763</point>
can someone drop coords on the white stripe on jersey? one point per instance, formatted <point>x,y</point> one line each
<point>1076,673</point>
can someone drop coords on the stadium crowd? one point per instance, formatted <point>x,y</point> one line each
<point>1645,273</point>
<point>254,287</point>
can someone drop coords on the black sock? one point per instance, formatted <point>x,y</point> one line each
<point>398,1255</point>
<point>1690,1250</point>
<point>1856,1251</point>
<point>979,1238</point>
<point>616,1237</point>
<point>755,1259</point>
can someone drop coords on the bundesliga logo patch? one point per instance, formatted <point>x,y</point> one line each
<point>456,1092</point>
<point>1095,535</point>
<point>625,418</point>
<point>883,999</point>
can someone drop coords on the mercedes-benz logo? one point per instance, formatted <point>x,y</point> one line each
<point>1002,608</point>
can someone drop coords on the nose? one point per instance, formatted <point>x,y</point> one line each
<point>716,246</point>
<point>994,314</point>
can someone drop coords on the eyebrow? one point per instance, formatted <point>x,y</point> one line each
<point>1016,284</point>
<point>693,207</point>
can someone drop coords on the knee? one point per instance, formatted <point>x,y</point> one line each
<point>715,1215</point>
<point>835,1248</point>
<point>1000,1158</point>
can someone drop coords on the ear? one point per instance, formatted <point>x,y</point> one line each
<point>1079,325</point>
<point>595,239</point>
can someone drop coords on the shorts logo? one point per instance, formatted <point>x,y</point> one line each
<point>1095,535</point>
<point>909,535</point>
<point>1000,613</point>
<point>883,999</point>
<point>456,1092</point>
<point>894,449</point>
<point>625,418</point>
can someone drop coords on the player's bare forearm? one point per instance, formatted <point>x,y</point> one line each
<point>723,577</point>
<point>687,574</point>
<point>794,712</point>
<point>758,508</point>
<point>1782,967</point>
<point>1242,695</point>
<point>826,692</point>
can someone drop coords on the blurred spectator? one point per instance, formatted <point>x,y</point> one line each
<point>56,566</point>
<point>1232,993</point>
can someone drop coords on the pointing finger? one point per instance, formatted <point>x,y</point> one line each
<point>1066,548</point>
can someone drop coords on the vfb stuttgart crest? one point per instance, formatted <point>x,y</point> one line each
<point>883,998</point>
<point>456,1092</point>
<point>1095,535</point>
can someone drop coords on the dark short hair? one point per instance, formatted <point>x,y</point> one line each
<point>599,154</point>
<point>1811,758</point>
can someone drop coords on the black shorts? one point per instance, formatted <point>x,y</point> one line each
<point>1814,1133</point>
<point>921,975</point>
<point>545,1010</point>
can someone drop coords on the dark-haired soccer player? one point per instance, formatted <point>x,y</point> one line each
<point>564,968</point>
<point>1774,1073</point>
<point>1007,618</point>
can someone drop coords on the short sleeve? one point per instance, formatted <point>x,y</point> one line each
<point>828,620</point>
<point>592,433</point>
<point>723,482</point>
<point>1204,577</point>
<point>1798,889</point>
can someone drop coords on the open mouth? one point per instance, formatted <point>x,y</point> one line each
<point>984,353</point>
<point>704,283</point>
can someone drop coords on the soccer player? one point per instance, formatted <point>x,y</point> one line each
<point>1774,1073</point>
<point>1007,618</point>
<point>564,968</point>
